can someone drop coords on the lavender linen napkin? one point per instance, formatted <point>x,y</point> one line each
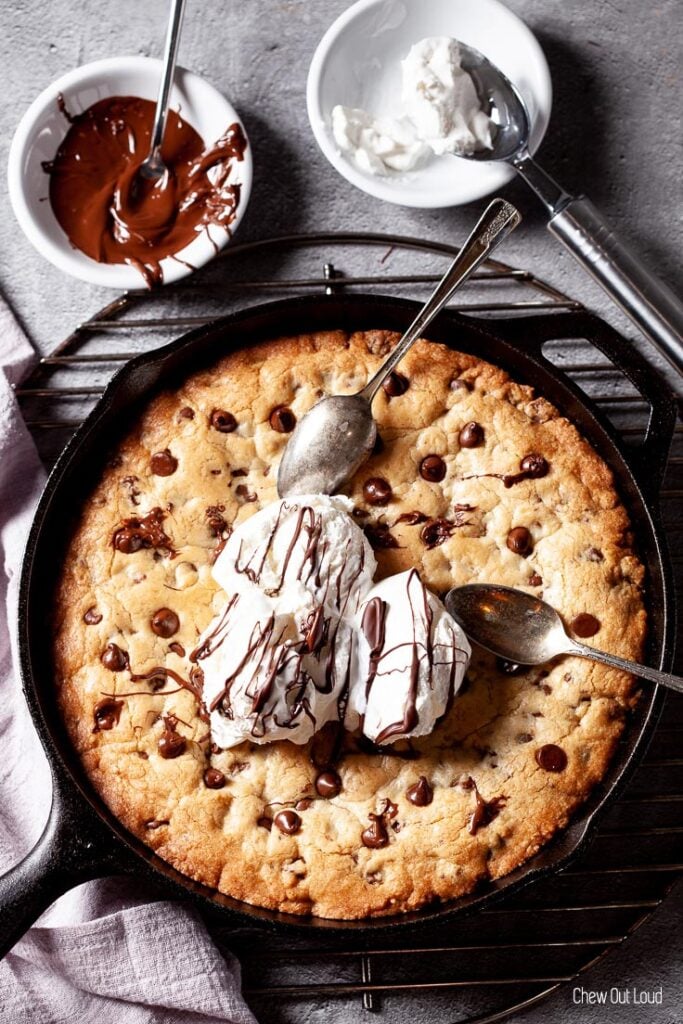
<point>102,953</point>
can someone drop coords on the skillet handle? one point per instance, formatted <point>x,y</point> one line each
<point>73,848</point>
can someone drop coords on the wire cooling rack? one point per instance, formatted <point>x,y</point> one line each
<point>480,968</point>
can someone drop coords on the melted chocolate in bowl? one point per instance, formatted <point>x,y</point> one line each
<point>111,214</point>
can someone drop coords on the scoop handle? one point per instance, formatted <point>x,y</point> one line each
<point>650,304</point>
<point>495,224</point>
<point>614,661</point>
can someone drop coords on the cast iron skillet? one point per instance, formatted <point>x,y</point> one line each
<point>82,839</point>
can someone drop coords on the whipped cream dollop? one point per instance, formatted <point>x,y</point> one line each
<point>410,658</point>
<point>305,638</point>
<point>441,113</point>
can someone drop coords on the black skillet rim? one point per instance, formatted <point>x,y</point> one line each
<point>334,310</point>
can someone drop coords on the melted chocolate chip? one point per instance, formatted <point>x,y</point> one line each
<point>377,491</point>
<point>215,519</point>
<point>242,491</point>
<point>303,804</point>
<point>282,419</point>
<point>532,466</point>
<point>411,518</point>
<point>395,384</point>
<point>421,793</point>
<point>163,463</point>
<point>471,435</point>
<point>114,658</point>
<point>485,811</point>
<point>186,413</point>
<point>375,836</point>
<point>535,580</point>
<point>519,540</point>
<point>171,744</point>
<point>107,713</point>
<point>142,532</point>
<point>214,779</point>
<point>433,469</point>
<point>437,531</point>
<point>328,784</point>
<point>585,625</point>
<point>177,649</point>
<point>92,616</point>
<point>165,623</point>
<point>287,821</point>
<point>551,758</point>
<point>222,421</point>
<point>380,536</point>
<point>265,822</point>
<point>595,555</point>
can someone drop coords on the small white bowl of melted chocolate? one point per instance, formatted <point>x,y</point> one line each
<point>72,177</point>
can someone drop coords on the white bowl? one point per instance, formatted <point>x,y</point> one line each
<point>43,127</point>
<point>357,64</point>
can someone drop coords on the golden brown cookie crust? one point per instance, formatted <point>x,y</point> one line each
<point>581,562</point>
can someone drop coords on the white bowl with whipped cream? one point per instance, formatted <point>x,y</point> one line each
<point>44,127</point>
<point>393,111</point>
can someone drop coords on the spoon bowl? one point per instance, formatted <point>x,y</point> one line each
<point>524,630</point>
<point>503,104</point>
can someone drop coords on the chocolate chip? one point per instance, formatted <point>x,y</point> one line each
<point>217,522</point>
<point>380,536</point>
<point>222,421</point>
<point>594,555</point>
<point>411,518</point>
<point>519,540</point>
<point>395,384</point>
<point>171,744</point>
<point>532,466</point>
<point>92,616</point>
<point>436,532</point>
<point>585,625</point>
<point>107,713</point>
<point>377,491</point>
<point>328,784</point>
<point>142,532</point>
<point>375,836</point>
<point>551,758</point>
<point>177,649</point>
<point>303,804</point>
<point>433,469</point>
<point>421,793</point>
<point>114,658</point>
<point>214,779</point>
<point>535,580</point>
<point>165,623</point>
<point>282,419</point>
<point>163,463</point>
<point>242,491</point>
<point>265,822</point>
<point>471,435</point>
<point>186,413</point>
<point>287,821</point>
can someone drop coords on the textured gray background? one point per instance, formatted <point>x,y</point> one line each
<point>615,133</point>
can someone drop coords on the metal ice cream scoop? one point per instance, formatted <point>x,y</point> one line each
<point>526,631</point>
<point>574,220</point>
<point>338,434</point>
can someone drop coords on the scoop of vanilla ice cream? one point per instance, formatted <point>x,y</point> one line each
<point>410,657</point>
<point>297,547</point>
<point>272,674</point>
<point>377,144</point>
<point>441,100</point>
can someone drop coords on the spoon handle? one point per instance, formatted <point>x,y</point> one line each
<point>497,221</point>
<point>168,74</point>
<point>642,671</point>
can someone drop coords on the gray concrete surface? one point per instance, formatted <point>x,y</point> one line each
<point>615,133</point>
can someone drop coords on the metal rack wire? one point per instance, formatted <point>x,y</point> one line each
<point>484,967</point>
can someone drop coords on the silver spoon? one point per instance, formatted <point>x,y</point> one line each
<point>526,631</point>
<point>337,435</point>
<point>152,177</point>
<point>574,220</point>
